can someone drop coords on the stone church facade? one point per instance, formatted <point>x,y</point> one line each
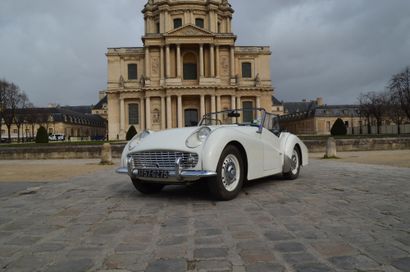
<point>189,66</point>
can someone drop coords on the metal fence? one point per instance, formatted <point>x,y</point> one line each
<point>393,129</point>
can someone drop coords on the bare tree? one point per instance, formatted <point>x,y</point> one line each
<point>400,87</point>
<point>374,105</point>
<point>395,111</point>
<point>13,99</point>
<point>365,111</point>
<point>20,115</point>
<point>3,87</point>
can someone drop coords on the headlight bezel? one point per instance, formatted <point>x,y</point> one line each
<point>137,139</point>
<point>198,137</point>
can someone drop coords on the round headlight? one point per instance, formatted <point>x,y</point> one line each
<point>198,137</point>
<point>137,139</point>
<point>203,133</point>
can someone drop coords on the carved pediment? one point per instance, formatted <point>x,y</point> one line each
<point>189,30</point>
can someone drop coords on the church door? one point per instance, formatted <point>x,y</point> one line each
<point>191,117</point>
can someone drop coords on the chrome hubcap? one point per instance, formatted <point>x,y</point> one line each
<point>295,162</point>
<point>230,172</point>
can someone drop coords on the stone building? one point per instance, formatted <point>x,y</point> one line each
<point>75,123</point>
<point>313,118</point>
<point>189,66</point>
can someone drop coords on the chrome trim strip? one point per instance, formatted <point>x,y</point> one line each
<point>186,174</point>
<point>122,170</point>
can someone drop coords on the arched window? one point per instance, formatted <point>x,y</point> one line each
<point>199,22</point>
<point>190,67</point>
<point>132,71</point>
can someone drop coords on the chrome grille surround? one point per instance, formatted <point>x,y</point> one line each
<point>163,159</point>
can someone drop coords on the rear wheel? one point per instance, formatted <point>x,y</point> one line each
<point>294,166</point>
<point>230,175</point>
<point>147,188</point>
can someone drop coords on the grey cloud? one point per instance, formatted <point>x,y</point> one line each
<point>55,50</point>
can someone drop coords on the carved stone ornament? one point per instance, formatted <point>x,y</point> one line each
<point>142,81</point>
<point>155,66</point>
<point>224,66</point>
<point>257,80</point>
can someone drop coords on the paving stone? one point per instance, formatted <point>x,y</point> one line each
<point>263,267</point>
<point>299,258</point>
<point>335,217</point>
<point>331,248</point>
<point>290,247</point>
<point>173,240</point>
<point>256,255</point>
<point>79,265</point>
<point>403,264</point>
<point>312,267</point>
<point>213,265</point>
<point>210,253</point>
<point>278,235</point>
<point>167,265</point>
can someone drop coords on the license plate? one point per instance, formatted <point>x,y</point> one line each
<point>148,173</point>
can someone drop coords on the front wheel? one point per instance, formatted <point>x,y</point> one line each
<point>294,166</point>
<point>230,175</point>
<point>147,188</point>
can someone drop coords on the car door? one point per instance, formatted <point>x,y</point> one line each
<point>272,157</point>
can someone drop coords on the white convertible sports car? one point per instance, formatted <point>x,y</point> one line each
<point>226,149</point>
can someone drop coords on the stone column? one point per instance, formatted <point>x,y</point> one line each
<point>213,108</point>
<point>142,115</point>
<point>163,120</point>
<point>233,106</point>
<point>239,106</point>
<point>169,112</point>
<point>162,75</point>
<point>122,116</point>
<point>232,61</point>
<point>218,103</point>
<point>202,105</point>
<point>217,61</point>
<point>180,124</point>
<point>212,56</point>
<point>201,60</point>
<point>178,60</point>
<point>148,112</point>
<point>168,61</point>
<point>258,105</point>
<point>147,63</point>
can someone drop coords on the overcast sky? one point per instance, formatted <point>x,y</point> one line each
<point>335,49</point>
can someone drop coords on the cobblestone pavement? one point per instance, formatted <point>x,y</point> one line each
<point>336,217</point>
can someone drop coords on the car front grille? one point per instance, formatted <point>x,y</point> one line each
<point>163,159</point>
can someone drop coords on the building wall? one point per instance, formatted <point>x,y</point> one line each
<point>161,91</point>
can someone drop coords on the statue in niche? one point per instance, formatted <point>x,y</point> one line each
<point>257,80</point>
<point>142,81</point>
<point>121,80</point>
<point>155,116</point>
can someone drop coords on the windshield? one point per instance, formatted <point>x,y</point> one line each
<point>242,117</point>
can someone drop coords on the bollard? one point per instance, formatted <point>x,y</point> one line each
<point>330,148</point>
<point>106,157</point>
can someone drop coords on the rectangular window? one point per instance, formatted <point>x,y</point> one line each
<point>199,22</point>
<point>177,23</point>
<point>246,70</point>
<point>132,71</point>
<point>158,27</point>
<point>247,111</point>
<point>347,124</point>
<point>190,72</point>
<point>133,114</point>
<point>15,131</point>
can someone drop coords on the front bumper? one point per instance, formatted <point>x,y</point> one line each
<point>174,175</point>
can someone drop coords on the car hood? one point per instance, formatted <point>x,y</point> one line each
<point>173,139</point>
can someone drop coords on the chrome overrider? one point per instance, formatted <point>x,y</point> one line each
<point>178,174</point>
